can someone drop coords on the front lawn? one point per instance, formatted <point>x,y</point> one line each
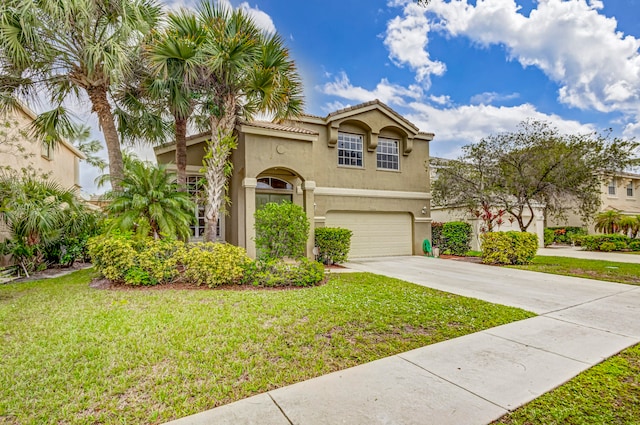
<point>73,354</point>
<point>608,393</point>
<point>591,269</point>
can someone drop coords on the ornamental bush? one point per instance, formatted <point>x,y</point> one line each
<point>456,238</point>
<point>212,264</point>
<point>565,234</point>
<point>634,245</point>
<point>549,237</point>
<point>282,230</point>
<point>135,261</point>
<point>333,244</point>
<point>273,272</point>
<point>436,234</point>
<point>594,242</point>
<point>508,247</point>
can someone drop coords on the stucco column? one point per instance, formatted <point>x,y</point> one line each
<point>249,184</point>
<point>308,188</point>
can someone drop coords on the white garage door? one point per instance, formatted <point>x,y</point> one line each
<point>375,234</point>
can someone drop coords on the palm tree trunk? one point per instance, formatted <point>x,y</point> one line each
<point>100,103</point>
<point>219,148</point>
<point>181,153</point>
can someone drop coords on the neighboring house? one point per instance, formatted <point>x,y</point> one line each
<point>19,150</point>
<point>619,193</point>
<point>361,168</point>
<point>478,226</point>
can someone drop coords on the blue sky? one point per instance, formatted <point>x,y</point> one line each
<point>465,69</point>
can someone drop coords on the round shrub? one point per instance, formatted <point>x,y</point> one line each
<point>212,264</point>
<point>112,255</point>
<point>333,244</point>
<point>508,247</point>
<point>634,245</point>
<point>282,230</point>
<point>456,238</point>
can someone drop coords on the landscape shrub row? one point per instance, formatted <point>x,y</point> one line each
<point>609,242</point>
<point>144,261</point>
<point>508,247</point>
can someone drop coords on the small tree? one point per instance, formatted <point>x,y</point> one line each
<point>282,230</point>
<point>534,165</point>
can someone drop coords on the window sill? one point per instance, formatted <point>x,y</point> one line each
<point>388,170</point>
<point>352,167</point>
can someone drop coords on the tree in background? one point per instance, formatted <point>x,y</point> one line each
<point>81,139</point>
<point>608,222</point>
<point>65,48</point>
<point>250,72</point>
<point>150,204</point>
<point>534,165</point>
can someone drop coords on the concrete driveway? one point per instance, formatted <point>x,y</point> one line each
<point>470,380</point>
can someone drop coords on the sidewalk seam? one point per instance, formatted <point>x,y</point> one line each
<point>279,408</point>
<point>591,300</point>
<point>561,319</point>
<point>453,383</point>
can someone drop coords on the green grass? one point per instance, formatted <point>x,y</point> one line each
<point>76,355</point>
<point>591,269</point>
<point>607,394</point>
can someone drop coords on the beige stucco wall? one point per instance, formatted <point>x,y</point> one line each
<point>62,166</point>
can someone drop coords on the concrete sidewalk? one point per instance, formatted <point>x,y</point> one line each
<point>473,379</point>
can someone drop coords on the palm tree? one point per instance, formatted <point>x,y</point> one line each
<point>630,226</point>
<point>38,214</point>
<point>150,204</point>
<point>171,79</point>
<point>63,48</point>
<point>81,139</point>
<point>608,222</point>
<point>250,72</point>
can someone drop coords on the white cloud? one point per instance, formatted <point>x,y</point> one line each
<point>407,39</point>
<point>262,19</point>
<point>488,98</point>
<point>596,66</point>
<point>440,100</point>
<point>391,94</point>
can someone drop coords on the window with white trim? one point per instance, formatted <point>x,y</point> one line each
<point>350,149</point>
<point>630,189</point>
<point>195,188</point>
<point>387,154</point>
<point>612,187</point>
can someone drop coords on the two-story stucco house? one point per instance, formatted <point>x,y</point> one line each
<point>59,163</point>
<point>362,168</point>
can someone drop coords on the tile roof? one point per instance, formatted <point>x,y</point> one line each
<point>280,127</point>
<point>372,102</point>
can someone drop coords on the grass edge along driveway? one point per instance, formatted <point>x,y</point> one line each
<point>73,354</point>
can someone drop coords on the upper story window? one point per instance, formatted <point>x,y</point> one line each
<point>350,149</point>
<point>387,155</point>
<point>47,151</point>
<point>630,189</point>
<point>612,187</point>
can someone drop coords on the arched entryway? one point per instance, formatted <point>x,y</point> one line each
<point>276,185</point>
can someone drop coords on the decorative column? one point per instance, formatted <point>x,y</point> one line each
<point>308,188</point>
<point>249,184</point>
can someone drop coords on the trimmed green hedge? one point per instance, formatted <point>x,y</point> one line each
<point>455,238</point>
<point>609,242</point>
<point>333,244</point>
<point>565,234</point>
<point>508,247</point>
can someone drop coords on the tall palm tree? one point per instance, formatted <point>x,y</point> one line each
<point>150,204</point>
<point>608,222</point>
<point>250,72</point>
<point>63,48</point>
<point>171,79</point>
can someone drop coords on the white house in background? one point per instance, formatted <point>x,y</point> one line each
<point>446,214</point>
